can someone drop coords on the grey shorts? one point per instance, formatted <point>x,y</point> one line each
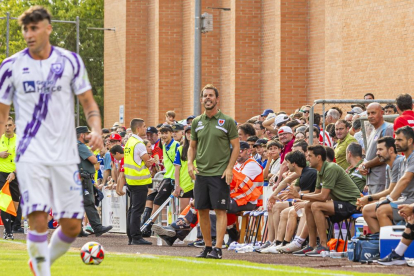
<point>395,216</point>
<point>374,189</point>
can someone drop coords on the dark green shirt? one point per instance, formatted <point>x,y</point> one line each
<point>333,177</point>
<point>85,153</point>
<point>359,179</point>
<point>213,137</point>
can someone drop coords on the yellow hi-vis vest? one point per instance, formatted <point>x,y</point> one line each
<point>135,174</point>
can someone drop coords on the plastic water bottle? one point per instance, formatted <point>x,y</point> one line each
<point>339,255</point>
<point>25,226</point>
<point>159,241</point>
<point>299,213</point>
<point>325,254</point>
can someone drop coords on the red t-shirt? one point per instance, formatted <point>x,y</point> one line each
<point>405,119</point>
<point>286,149</point>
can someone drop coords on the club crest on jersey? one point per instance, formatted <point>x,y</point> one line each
<point>221,122</point>
<point>57,68</point>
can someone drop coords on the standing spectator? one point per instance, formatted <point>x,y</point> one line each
<point>390,109</point>
<point>178,132</point>
<point>211,136</point>
<point>344,139</point>
<point>315,135</point>
<point>354,159</point>
<point>87,173</point>
<point>368,96</point>
<point>287,138</point>
<point>332,116</point>
<point>356,127</point>
<point>190,120</point>
<point>372,166</point>
<point>170,118</point>
<point>8,173</point>
<point>404,108</point>
<point>245,131</point>
<point>264,115</point>
<point>138,178</point>
<point>305,110</point>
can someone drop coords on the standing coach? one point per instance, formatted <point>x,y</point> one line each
<point>211,136</point>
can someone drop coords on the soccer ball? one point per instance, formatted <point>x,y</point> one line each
<point>92,253</point>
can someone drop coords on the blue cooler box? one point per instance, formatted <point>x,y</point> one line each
<point>390,236</point>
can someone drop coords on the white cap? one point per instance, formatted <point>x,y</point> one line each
<point>281,118</point>
<point>285,129</point>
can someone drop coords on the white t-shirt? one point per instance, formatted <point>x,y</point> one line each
<point>43,95</point>
<point>251,170</point>
<point>139,150</point>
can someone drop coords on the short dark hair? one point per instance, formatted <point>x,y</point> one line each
<point>260,123</point>
<point>292,124</point>
<point>318,150</point>
<point>136,122</point>
<point>301,143</point>
<point>404,102</point>
<point>369,94</point>
<point>105,130</point>
<point>34,14</point>
<point>355,149</point>
<point>116,149</point>
<point>317,119</point>
<point>296,157</point>
<point>330,153</point>
<point>248,129</point>
<point>388,141</point>
<point>356,124</point>
<point>393,106</point>
<point>274,143</point>
<point>345,122</point>
<point>315,129</point>
<point>209,86</point>
<point>407,131</point>
<point>253,138</point>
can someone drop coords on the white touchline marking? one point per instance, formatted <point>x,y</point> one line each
<point>12,242</point>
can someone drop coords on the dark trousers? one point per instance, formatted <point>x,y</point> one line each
<point>138,195</point>
<point>10,222</point>
<point>89,205</point>
<point>213,220</point>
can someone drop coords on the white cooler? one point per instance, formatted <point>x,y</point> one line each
<point>390,236</point>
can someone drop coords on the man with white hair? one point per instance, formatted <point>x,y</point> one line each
<point>332,116</point>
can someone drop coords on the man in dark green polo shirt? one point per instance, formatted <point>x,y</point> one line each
<point>337,199</point>
<point>354,158</point>
<point>344,139</point>
<point>212,133</point>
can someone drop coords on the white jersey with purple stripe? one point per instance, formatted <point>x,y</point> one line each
<point>43,95</point>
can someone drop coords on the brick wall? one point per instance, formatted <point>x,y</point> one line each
<point>276,54</point>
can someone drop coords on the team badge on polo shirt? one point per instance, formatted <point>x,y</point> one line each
<point>221,122</point>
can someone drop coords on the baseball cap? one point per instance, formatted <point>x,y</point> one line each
<point>166,128</point>
<point>177,127</point>
<point>244,145</point>
<point>188,129</point>
<point>260,142</point>
<point>115,136</point>
<point>355,110</point>
<point>190,117</point>
<point>82,129</point>
<point>152,129</point>
<point>266,112</point>
<point>281,118</point>
<point>285,129</point>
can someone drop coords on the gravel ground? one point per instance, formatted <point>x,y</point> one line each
<point>118,243</point>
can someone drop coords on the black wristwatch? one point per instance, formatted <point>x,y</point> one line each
<point>370,198</point>
<point>301,196</point>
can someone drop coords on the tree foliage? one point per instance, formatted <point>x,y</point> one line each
<point>91,45</point>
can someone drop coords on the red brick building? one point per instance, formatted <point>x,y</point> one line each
<point>277,54</point>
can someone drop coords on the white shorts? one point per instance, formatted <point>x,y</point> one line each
<point>43,187</point>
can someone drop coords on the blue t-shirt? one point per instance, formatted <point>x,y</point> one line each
<point>101,165</point>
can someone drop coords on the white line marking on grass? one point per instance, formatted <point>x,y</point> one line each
<point>12,242</point>
<point>248,266</point>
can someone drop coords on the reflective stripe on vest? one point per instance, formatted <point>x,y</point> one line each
<point>135,174</point>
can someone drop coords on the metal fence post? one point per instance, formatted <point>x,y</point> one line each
<point>311,123</point>
<point>77,51</point>
<point>7,33</point>
<point>323,122</point>
<point>197,58</point>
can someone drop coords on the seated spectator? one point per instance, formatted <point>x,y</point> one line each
<point>332,116</point>
<point>260,147</point>
<point>300,135</point>
<point>330,130</point>
<point>287,139</point>
<point>260,129</point>
<point>387,153</point>
<point>303,121</point>
<point>315,135</point>
<point>265,114</point>
<point>251,141</point>
<point>190,120</point>
<point>404,108</point>
<point>305,110</point>
<point>274,123</point>
<point>344,139</point>
<point>403,192</point>
<point>335,184</point>
<point>296,161</point>
<point>330,154</point>
<point>390,109</point>
<point>356,127</point>
<point>245,131</point>
<point>273,163</point>
<point>354,159</point>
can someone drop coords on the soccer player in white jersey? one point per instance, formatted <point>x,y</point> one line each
<point>41,81</point>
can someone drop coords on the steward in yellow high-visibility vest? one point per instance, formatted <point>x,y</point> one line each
<point>8,173</point>
<point>138,177</point>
